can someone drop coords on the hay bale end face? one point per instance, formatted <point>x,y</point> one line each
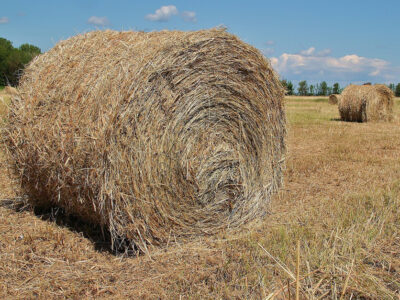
<point>366,103</point>
<point>334,99</point>
<point>150,135</point>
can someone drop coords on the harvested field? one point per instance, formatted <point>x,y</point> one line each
<point>340,200</point>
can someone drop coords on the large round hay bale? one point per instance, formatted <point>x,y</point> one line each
<point>366,103</point>
<point>152,135</point>
<point>334,99</point>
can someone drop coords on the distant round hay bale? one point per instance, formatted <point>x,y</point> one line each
<point>366,103</point>
<point>334,99</point>
<point>151,135</point>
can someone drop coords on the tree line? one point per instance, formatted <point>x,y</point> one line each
<point>13,60</point>
<point>395,89</point>
<point>322,89</point>
<point>318,89</point>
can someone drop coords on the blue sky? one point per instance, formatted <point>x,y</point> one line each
<point>337,41</point>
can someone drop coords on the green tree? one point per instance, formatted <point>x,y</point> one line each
<point>284,84</point>
<point>391,86</point>
<point>323,89</point>
<point>30,49</point>
<point>15,65</point>
<point>13,60</point>
<point>397,90</point>
<point>336,88</point>
<point>303,88</point>
<point>312,89</point>
<point>5,50</point>
<point>290,88</point>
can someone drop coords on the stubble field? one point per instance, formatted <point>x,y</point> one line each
<point>340,200</point>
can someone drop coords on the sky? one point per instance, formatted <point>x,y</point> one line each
<point>351,41</point>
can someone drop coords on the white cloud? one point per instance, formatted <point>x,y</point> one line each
<point>270,43</point>
<point>268,51</point>
<point>4,20</point>
<point>189,16</point>
<point>324,52</point>
<point>316,66</point>
<point>98,21</point>
<point>310,51</point>
<point>163,14</point>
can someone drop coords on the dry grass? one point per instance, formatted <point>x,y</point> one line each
<point>5,99</point>
<point>10,91</point>
<point>340,200</point>
<point>151,135</point>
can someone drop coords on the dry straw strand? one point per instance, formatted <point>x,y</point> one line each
<point>298,270</point>
<point>150,134</point>
<point>366,103</point>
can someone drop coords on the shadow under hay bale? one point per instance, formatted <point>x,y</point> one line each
<point>366,103</point>
<point>150,135</point>
<point>97,235</point>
